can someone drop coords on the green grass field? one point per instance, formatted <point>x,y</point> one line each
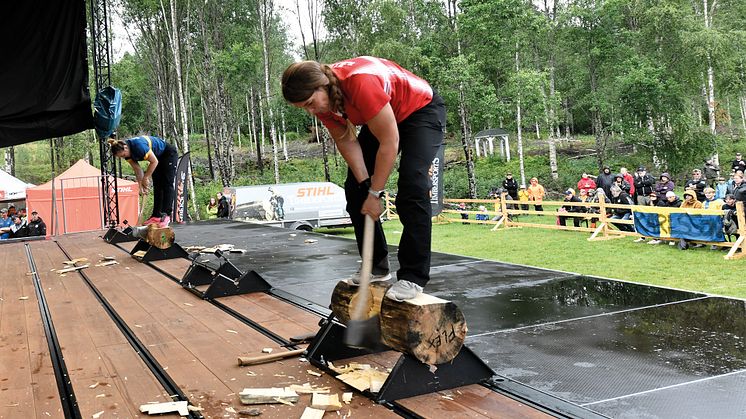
<point>699,269</point>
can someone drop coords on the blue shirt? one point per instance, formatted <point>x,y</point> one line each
<point>142,147</point>
<point>7,222</point>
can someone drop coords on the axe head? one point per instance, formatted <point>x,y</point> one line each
<point>141,232</point>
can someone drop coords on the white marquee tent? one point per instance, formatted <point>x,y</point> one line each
<point>12,188</point>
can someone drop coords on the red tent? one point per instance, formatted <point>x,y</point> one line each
<point>78,198</point>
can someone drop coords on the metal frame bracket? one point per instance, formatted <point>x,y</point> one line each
<point>409,377</point>
<point>115,235</point>
<point>153,253</point>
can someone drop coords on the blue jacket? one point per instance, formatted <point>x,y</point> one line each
<point>7,222</point>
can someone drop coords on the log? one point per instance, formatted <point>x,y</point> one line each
<point>344,295</point>
<point>162,238</point>
<point>429,328</point>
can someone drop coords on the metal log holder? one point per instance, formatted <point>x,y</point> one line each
<point>224,280</point>
<point>409,377</point>
<point>115,235</point>
<point>153,253</point>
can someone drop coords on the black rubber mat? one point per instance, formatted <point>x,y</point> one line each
<point>616,355</point>
<point>618,348</point>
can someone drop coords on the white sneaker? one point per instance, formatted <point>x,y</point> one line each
<point>403,290</point>
<point>640,239</point>
<point>654,241</point>
<point>354,280</point>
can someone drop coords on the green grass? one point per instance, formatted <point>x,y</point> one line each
<point>700,269</point>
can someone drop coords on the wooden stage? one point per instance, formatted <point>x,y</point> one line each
<point>100,342</point>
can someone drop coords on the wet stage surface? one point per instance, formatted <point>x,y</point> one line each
<point>615,348</point>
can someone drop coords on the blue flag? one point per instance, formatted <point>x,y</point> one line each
<point>679,223</point>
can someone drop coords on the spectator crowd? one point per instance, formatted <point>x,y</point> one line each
<point>15,224</point>
<point>705,188</point>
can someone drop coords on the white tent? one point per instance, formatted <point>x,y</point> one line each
<point>12,188</point>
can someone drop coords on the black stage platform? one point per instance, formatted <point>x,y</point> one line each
<point>615,348</point>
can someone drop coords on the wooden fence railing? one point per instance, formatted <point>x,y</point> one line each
<point>505,213</point>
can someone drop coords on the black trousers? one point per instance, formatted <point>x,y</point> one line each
<point>420,137</point>
<point>163,182</point>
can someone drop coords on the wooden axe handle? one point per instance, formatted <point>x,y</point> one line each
<point>253,360</point>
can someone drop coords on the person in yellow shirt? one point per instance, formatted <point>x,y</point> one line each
<point>212,209</point>
<point>710,202</point>
<point>536,194</point>
<point>523,197</point>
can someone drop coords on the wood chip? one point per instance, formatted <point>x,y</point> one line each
<point>72,269</point>
<point>328,402</point>
<point>189,304</point>
<point>314,373</point>
<point>347,397</point>
<point>447,397</point>
<point>140,254</point>
<point>194,408</point>
<point>97,414</point>
<point>307,388</point>
<point>230,410</point>
<point>23,298</point>
<point>107,263</point>
<point>231,331</point>
<point>310,241</point>
<point>267,350</point>
<point>181,407</point>
<point>98,396</point>
<point>311,413</point>
<point>268,395</point>
<point>74,261</point>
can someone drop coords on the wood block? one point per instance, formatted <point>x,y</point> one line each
<point>311,413</point>
<point>345,296</point>
<point>268,395</point>
<point>167,407</point>
<point>328,402</point>
<point>429,328</point>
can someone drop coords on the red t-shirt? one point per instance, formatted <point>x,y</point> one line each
<point>369,83</point>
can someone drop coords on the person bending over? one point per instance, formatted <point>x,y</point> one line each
<point>399,113</point>
<point>161,158</point>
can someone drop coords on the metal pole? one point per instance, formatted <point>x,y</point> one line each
<point>101,208</point>
<point>55,220</point>
<point>64,217</point>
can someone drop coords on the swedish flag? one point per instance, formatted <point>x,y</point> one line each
<point>679,223</point>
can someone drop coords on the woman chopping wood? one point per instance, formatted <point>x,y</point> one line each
<point>162,158</point>
<point>399,113</point>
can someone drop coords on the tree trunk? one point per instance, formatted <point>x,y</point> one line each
<point>742,104</point>
<point>249,124</point>
<point>520,140</point>
<point>265,17</point>
<point>324,149</point>
<point>207,139</point>
<point>257,141</point>
<point>284,137</point>
<point>462,111</point>
<point>10,160</point>
<point>261,126</point>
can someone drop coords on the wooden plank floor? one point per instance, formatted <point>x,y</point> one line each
<point>282,318</point>
<point>106,373</point>
<point>27,383</point>
<point>473,401</point>
<point>197,341</point>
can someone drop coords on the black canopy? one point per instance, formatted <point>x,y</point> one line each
<point>44,71</point>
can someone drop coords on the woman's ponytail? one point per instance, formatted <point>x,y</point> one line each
<point>116,145</point>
